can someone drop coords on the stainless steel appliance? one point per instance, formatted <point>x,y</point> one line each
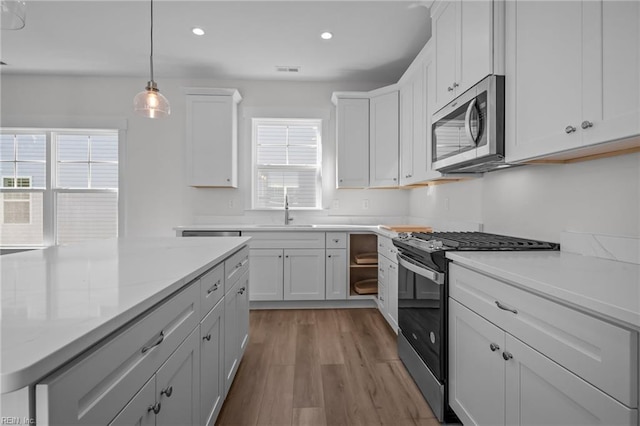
<point>422,303</point>
<point>468,133</point>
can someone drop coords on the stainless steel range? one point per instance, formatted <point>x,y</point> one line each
<point>422,303</point>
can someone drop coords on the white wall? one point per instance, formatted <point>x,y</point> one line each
<point>155,193</point>
<point>599,196</point>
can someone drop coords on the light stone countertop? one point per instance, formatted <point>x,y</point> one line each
<point>290,228</point>
<point>604,288</point>
<point>58,302</point>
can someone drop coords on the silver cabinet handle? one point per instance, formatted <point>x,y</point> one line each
<point>214,287</point>
<point>279,256</point>
<point>455,85</point>
<point>449,89</point>
<point>241,291</point>
<point>160,339</point>
<point>336,240</point>
<point>586,124</point>
<point>228,180</point>
<point>155,408</point>
<point>506,308</point>
<point>506,355</point>
<point>494,347</point>
<point>569,129</point>
<point>168,391</point>
<point>207,337</point>
<point>329,256</point>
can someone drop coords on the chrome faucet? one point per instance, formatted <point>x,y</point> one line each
<point>287,219</point>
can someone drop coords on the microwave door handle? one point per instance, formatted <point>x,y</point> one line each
<point>467,121</point>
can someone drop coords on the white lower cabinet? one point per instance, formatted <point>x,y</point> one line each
<point>172,366</point>
<point>171,396</point>
<point>304,274</point>
<point>388,281</point>
<point>496,379</point>
<point>336,274</point>
<point>212,365</point>
<point>267,268</point>
<point>236,327</point>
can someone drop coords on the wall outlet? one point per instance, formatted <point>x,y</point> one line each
<point>335,204</point>
<point>365,204</point>
<point>232,203</point>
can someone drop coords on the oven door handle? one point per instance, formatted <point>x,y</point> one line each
<point>434,276</point>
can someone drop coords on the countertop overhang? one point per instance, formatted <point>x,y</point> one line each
<point>607,289</point>
<point>60,301</point>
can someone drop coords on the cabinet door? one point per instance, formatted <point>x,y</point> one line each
<point>392,295</point>
<point>476,367</point>
<point>406,131</point>
<point>445,26</point>
<point>212,365</point>
<point>211,140</point>
<point>242,314</point>
<point>304,271</point>
<point>137,412</point>
<point>266,268</point>
<point>352,143</point>
<point>541,392</point>
<point>336,274</point>
<point>384,143</point>
<point>178,385</point>
<point>383,280</point>
<point>544,88</point>
<point>231,336</point>
<point>475,50</point>
<point>611,66</point>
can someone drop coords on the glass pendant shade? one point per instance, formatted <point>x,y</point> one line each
<point>13,14</point>
<point>151,103</point>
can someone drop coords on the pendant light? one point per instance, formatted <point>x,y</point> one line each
<point>150,102</point>
<point>13,14</point>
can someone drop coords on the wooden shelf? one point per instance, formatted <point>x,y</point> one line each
<point>370,265</point>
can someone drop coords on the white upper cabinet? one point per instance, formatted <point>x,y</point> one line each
<point>384,140</point>
<point>212,137</point>
<point>352,139</point>
<point>416,106</point>
<point>467,38</point>
<point>573,75</point>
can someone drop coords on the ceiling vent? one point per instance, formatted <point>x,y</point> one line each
<point>287,69</point>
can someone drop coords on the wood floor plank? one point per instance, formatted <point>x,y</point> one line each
<point>277,402</point>
<point>328,331</point>
<point>307,386</point>
<point>334,383</point>
<point>373,335</point>
<point>309,417</point>
<point>282,338</point>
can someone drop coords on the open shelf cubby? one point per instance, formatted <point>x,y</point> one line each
<point>363,264</point>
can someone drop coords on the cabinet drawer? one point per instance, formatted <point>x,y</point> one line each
<point>211,289</point>
<point>600,353</point>
<point>93,389</point>
<point>387,249</point>
<point>285,239</point>
<point>236,265</point>
<point>336,240</point>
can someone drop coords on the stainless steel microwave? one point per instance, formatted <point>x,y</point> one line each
<point>468,133</point>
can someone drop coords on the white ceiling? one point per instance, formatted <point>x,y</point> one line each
<point>373,40</point>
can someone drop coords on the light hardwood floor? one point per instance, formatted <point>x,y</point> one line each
<point>323,367</point>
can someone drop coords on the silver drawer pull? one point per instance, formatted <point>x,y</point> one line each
<point>155,408</point>
<point>160,339</point>
<point>507,355</point>
<point>207,337</point>
<point>214,288</point>
<point>505,308</point>
<point>494,347</point>
<point>168,391</point>
<point>241,291</point>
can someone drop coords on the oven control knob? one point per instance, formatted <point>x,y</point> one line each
<point>437,244</point>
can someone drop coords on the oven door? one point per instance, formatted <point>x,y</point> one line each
<point>421,302</point>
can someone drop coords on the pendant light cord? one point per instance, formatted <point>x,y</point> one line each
<point>151,56</point>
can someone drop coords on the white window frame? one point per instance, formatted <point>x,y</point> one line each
<point>49,193</point>
<point>255,122</point>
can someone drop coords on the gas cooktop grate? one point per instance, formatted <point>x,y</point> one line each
<point>484,241</point>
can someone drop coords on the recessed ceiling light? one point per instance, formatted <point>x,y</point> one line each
<point>198,31</point>
<point>326,35</point>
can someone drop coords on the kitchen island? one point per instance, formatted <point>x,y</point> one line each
<point>64,305</point>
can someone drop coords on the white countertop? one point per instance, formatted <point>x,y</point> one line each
<point>59,301</point>
<point>607,289</point>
